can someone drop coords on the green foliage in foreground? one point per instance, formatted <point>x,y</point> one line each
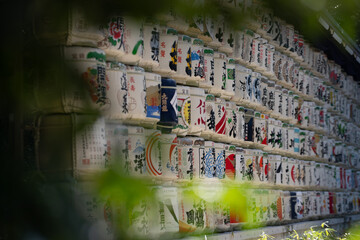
<point>325,232</point>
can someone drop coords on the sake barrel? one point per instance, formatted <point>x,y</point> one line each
<point>153,97</point>
<point>198,114</point>
<point>137,153</point>
<point>256,88</point>
<point>249,89</point>
<point>276,161</point>
<point>255,52</point>
<point>136,93</point>
<point>210,111</point>
<point>227,45</point>
<point>133,41</point>
<point>249,169</point>
<point>192,217</point>
<point>247,47</point>
<point>164,213</point>
<point>286,166</point>
<point>209,148</point>
<point>230,161</point>
<point>284,76</point>
<point>117,91</point>
<point>84,153</point>
<point>294,171</point>
<point>184,62</point>
<point>272,169</point>
<point>97,211</point>
<point>169,156</point>
<point>249,125</point>
<point>240,116</point>
<point>271,96</point>
<point>239,164</point>
<point>219,74</point>
<point>290,37</point>
<point>117,145</point>
<point>168,113</point>
<point>232,122</point>
<point>303,150</point>
<point>267,168</point>
<point>198,62</point>
<point>185,159</point>
<point>209,68</point>
<point>264,93</point>
<point>279,103</point>
<point>183,111</point>
<point>270,52</point>
<point>239,45</point>
<point>260,128</point>
<point>258,165</point>
<point>230,79</point>
<point>219,160</point>
<point>151,51</point>
<point>277,65</point>
<point>139,219</point>
<point>220,117</point>
<point>168,52</point>
<point>152,152</point>
<point>215,29</point>
<point>262,56</point>
<point>241,76</point>
<point>199,157</point>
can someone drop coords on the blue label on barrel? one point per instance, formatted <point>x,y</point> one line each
<point>168,114</point>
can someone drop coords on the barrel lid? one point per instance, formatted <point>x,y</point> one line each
<point>255,74</point>
<point>219,145</point>
<point>84,54</point>
<point>208,52</point>
<point>219,55</point>
<point>197,141</point>
<point>168,138</point>
<point>230,105</point>
<point>210,97</point>
<point>115,66</point>
<point>231,148</point>
<point>197,91</point>
<point>134,69</point>
<point>184,38</point>
<point>219,100</point>
<point>209,144</point>
<point>185,141</point>
<point>271,83</point>
<point>241,109</point>
<point>264,79</point>
<point>169,31</point>
<point>183,90</point>
<point>168,82</point>
<point>249,32</point>
<point>197,41</point>
<point>132,130</point>
<point>152,77</point>
<point>249,111</point>
<point>241,68</point>
<point>239,150</point>
<point>231,60</point>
